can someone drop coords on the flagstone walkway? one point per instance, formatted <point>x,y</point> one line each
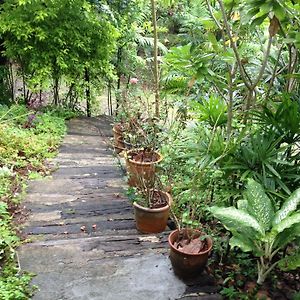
<point>84,244</point>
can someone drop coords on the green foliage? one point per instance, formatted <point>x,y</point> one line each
<point>283,120</point>
<point>13,283</point>
<point>27,138</point>
<point>52,39</point>
<point>291,262</point>
<point>5,93</point>
<point>259,205</point>
<point>15,286</point>
<point>264,158</point>
<point>188,65</point>
<point>212,110</point>
<point>255,228</point>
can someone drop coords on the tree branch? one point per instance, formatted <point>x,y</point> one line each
<point>274,74</point>
<point>234,47</point>
<point>264,64</point>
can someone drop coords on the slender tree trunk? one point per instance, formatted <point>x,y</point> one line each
<point>55,90</point>
<point>230,101</point>
<point>11,82</point>
<point>88,93</point>
<point>119,61</point>
<point>109,97</point>
<point>155,57</point>
<point>24,85</point>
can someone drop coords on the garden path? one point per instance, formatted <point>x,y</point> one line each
<point>84,244</point>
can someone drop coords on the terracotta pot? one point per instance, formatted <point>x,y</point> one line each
<point>141,173</point>
<point>186,265</point>
<point>119,145</point>
<point>118,138</point>
<point>117,131</point>
<point>152,220</point>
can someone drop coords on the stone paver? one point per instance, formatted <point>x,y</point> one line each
<point>84,244</point>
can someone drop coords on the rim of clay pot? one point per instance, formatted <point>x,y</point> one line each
<point>116,130</point>
<point>154,210</point>
<point>191,254</point>
<point>160,158</point>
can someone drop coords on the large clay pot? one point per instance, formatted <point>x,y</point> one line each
<point>187,265</point>
<point>152,220</point>
<point>141,173</point>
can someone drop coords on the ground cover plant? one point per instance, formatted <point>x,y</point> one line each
<point>28,138</point>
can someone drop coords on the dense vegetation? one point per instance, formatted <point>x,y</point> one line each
<point>213,85</point>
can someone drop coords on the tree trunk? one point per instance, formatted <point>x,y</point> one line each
<point>119,61</point>
<point>55,91</point>
<point>88,93</point>
<point>155,57</point>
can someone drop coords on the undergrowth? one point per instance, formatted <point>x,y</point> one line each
<point>27,139</point>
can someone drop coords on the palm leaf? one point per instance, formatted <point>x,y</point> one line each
<point>288,207</point>
<point>260,205</point>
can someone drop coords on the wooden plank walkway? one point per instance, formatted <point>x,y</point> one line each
<point>84,241</point>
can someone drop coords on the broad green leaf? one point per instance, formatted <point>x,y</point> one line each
<point>260,205</point>
<point>237,220</point>
<point>245,244</point>
<point>288,207</point>
<point>279,11</point>
<point>286,236</point>
<point>259,20</point>
<point>286,223</point>
<point>243,205</point>
<point>291,262</point>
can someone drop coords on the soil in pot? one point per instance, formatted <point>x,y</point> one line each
<point>189,252</point>
<point>153,219</point>
<point>141,167</point>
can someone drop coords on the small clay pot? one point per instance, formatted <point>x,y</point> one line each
<point>118,138</point>
<point>152,220</point>
<point>117,131</point>
<point>119,145</point>
<point>186,265</point>
<point>141,173</point>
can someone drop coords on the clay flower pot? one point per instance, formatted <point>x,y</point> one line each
<point>119,145</point>
<point>141,173</point>
<point>152,220</point>
<point>118,133</point>
<point>188,265</point>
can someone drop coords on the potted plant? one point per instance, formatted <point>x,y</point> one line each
<point>189,248</point>
<point>141,163</point>
<point>151,209</point>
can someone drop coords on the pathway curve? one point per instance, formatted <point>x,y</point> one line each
<point>84,242</point>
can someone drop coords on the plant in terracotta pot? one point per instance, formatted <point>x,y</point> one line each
<point>141,163</point>
<point>151,209</point>
<point>189,248</point>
